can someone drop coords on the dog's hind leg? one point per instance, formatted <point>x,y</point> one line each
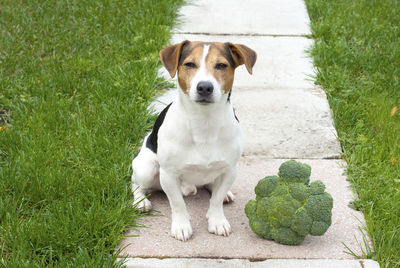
<point>140,200</point>
<point>145,177</point>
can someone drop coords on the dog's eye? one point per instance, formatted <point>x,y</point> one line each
<point>221,66</point>
<point>191,65</point>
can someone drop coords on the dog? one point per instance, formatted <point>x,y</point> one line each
<point>196,140</point>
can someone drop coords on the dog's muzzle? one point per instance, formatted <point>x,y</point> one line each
<point>204,91</point>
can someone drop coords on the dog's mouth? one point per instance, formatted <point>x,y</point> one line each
<point>204,101</point>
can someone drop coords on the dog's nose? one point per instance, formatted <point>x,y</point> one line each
<point>205,88</point>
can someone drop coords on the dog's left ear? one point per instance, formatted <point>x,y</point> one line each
<point>170,57</point>
<point>243,55</point>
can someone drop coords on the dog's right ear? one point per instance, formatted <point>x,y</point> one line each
<point>170,57</point>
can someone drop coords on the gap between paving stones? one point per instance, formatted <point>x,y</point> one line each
<point>246,34</point>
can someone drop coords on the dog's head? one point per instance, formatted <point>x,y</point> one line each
<point>206,70</point>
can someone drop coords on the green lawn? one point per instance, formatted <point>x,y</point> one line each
<point>357,52</point>
<point>75,80</point>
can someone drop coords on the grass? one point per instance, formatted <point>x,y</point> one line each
<point>75,80</point>
<point>357,53</point>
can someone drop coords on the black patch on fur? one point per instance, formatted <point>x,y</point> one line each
<point>228,55</point>
<point>226,52</point>
<point>152,140</point>
<point>229,100</point>
<point>186,50</point>
<point>235,114</point>
<point>184,53</point>
<point>229,96</point>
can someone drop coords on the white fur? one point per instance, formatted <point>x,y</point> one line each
<point>203,75</point>
<point>197,145</point>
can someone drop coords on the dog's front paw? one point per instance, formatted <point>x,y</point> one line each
<point>181,228</point>
<point>219,226</point>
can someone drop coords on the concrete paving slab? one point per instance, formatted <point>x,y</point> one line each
<point>288,123</point>
<point>155,241</point>
<point>291,123</point>
<point>272,17</point>
<point>282,62</point>
<point>240,263</point>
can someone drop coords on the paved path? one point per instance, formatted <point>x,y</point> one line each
<point>283,115</point>
<point>242,263</point>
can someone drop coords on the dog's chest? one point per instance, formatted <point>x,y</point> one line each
<point>201,163</point>
<point>205,147</point>
<point>199,151</point>
<point>200,174</point>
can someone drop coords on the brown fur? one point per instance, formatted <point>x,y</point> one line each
<point>170,57</point>
<point>243,55</point>
<point>224,77</point>
<point>186,74</point>
<point>175,57</point>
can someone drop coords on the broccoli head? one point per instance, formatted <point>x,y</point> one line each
<point>288,208</point>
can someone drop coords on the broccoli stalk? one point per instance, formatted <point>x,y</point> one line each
<point>288,208</point>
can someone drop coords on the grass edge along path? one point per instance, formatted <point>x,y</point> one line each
<point>75,80</point>
<point>356,53</point>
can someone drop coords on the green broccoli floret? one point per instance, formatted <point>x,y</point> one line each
<point>293,171</point>
<point>287,208</point>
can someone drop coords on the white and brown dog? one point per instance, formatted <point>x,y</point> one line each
<point>196,140</point>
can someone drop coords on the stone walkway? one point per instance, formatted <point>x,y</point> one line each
<point>283,115</point>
